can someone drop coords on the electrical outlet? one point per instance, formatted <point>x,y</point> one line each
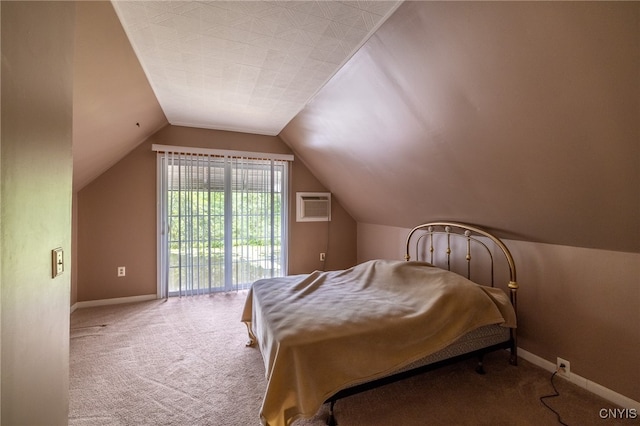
<point>563,368</point>
<point>322,257</point>
<point>121,271</point>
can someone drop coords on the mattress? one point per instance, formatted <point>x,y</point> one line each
<point>479,338</point>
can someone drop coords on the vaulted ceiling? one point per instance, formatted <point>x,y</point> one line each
<point>247,66</point>
<point>522,117</point>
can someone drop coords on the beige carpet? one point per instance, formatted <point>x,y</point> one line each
<point>183,362</point>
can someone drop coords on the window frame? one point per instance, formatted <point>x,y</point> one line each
<point>228,156</point>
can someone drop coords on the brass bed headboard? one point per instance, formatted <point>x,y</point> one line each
<point>470,235</point>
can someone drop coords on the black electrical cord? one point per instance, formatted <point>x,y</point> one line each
<point>553,395</point>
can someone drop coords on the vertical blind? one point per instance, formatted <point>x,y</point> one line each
<point>222,220</point>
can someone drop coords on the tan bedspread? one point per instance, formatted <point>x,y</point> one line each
<point>323,332</point>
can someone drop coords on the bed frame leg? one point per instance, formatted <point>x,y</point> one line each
<point>513,358</point>
<point>331,421</point>
<point>480,366</point>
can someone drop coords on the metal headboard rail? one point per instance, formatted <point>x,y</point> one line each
<point>467,237</point>
<point>461,230</point>
<point>444,225</point>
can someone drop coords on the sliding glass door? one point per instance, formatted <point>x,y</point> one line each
<point>221,222</point>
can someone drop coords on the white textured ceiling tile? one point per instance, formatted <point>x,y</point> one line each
<point>273,60</point>
<point>311,38</point>
<point>369,21</point>
<point>295,95</point>
<point>348,16</point>
<point>238,7</point>
<point>320,55</point>
<point>344,49</point>
<point>293,62</point>
<point>282,80</point>
<point>162,33</point>
<point>338,11</point>
<point>327,43</point>
<point>212,45</point>
<point>135,15</point>
<point>146,40</point>
<point>337,30</point>
<point>231,71</point>
<point>235,35</point>
<point>276,92</point>
<point>234,54</point>
<point>217,31</point>
<point>326,8</point>
<point>161,6</point>
<point>260,91</point>
<point>238,98</point>
<point>208,15</point>
<point>275,14</point>
<point>193,48</point>
<point>169,55</point>
<point>354,35</point>
<point>264,83</point>
<point>317,26</point>
<point>239,21</point>
<point>260,26</point>
<point>290,17</point>
<point>302,45</point>
<point>232,16</point>
<point>267,42</point>
<point>212,70</point>
<point>160,18</point>
<point>254,56</point>
<point>260,8</point>
<point>286,105</point>
<point>162,44</point>
<point>249,74</point>
<point>285,32</point>
<point>359,22</point>
<point>380,8</point>
<point>308,7</point>
<point>243,64</point>
<point>281,44</point>
<point>185,7</point>
<point>186,25</point>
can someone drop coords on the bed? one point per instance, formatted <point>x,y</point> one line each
<point>328,334</point>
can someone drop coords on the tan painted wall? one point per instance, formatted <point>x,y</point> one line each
<point>114,107</point>
<point>522,116</point>
<point>117,218</point>
<point>575,303</point>
<point>37,72</point>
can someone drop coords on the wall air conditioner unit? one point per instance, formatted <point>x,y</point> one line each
<point>313,206</point>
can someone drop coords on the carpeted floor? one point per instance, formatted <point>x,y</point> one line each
<point>184,362</point>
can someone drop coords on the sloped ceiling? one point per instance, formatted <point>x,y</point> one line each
<point>520,117</point>
<point>247,66</point>
<point>114,108</point>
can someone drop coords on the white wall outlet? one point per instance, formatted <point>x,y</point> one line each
<point>121,271</point>
<point>322,257</point>
<point>563,368</point>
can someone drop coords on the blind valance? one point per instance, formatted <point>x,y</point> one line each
<point>221,152</point>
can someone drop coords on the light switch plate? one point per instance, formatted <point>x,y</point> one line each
<point>57,262</point>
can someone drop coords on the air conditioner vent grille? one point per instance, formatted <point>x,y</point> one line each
<point>313,206</point>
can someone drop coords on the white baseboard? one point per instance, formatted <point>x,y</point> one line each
<point>114,301</point>
<point>606,393</point>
